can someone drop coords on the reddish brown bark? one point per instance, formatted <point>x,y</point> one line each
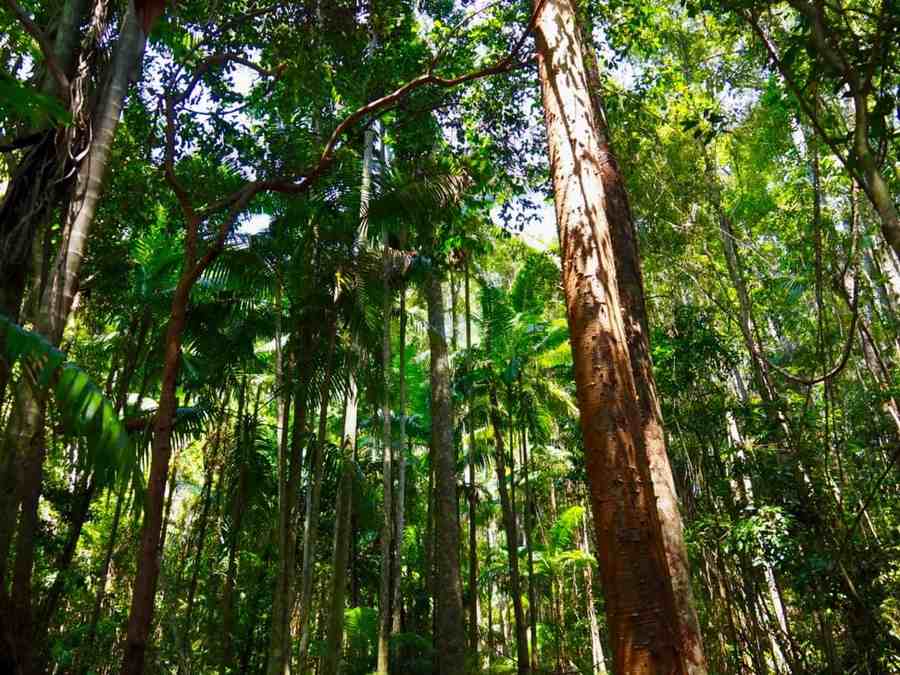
<point>141,615</point>
<point>623,450</point>
<point>634,315</point>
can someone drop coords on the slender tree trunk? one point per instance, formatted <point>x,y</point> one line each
<point>244,433</point>
<point>331,657</point>
<point>144,589</point>
<point>529,547</point>
<point>744,493</point>
<point>450,636</point>
<point>313,499</point>
<point>512,538</point>
<point>597,659</point>
<point>284,592</point>
<point>187,626</point>
<point>473,498</point>
<point>387,525</point>
<point>651,624</point>
<point>428,544</point>
<point>400,500</point>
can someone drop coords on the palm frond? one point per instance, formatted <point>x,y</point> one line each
<point>86,412</point>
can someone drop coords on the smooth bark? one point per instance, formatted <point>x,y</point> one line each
<point>450,639</point>
<point>331,657</point>
<point>510,528</point>
<point>387,525</point>
<point>284,591</point>
<point>400,494</point>
<point>313,500</point>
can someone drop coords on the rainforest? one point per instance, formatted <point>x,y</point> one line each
<point>533,337</point>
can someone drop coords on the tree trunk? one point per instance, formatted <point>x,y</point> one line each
<point>144,590</point>
<point>187,626</point>
<point>313,499</point>
<point>648,596</point>
<point>428,544</point>
<point>331,657</point>
<point>38,180</point>
<point>473,499</point>
<point>597,659</point>
<point>529,526</point>
<point>400,500</point>
<point>387,525</point>
<point>59,293</point>
<point>450,639</point>
<point>283,594</point>
<point>512,538</point>
<point>52,316</point>
<point>245,435</point>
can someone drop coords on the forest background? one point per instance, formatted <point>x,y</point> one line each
<point>296,376</point>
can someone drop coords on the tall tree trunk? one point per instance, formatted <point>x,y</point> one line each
<point>400,497</point>
<point>245,434</point>
<point>144,589</point>
<point>651,623</point>
<point>387,525</point>
<point>428,544</point>
<point>284,593</point>
<point>56,301</point>
<point>331,657</point>
<point>529,526</point>
<point>450,636</point>
<point>50,321</point>
<point>631,293</point>
<point>39,180</point>
<point>313,499</point>
<point>473,497</point>
<point>187,626</point>
<point>512,537</point>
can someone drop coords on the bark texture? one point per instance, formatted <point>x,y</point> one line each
<point>650,631</point>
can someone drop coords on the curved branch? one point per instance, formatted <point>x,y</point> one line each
<point>845,356</point>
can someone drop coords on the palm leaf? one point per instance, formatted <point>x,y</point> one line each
<point>85,411</point>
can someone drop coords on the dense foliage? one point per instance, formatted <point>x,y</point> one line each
<point>295,389</point>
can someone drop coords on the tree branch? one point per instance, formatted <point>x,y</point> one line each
<point>300,183</point>
<point>44,43</point>
<point>805,106</point>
